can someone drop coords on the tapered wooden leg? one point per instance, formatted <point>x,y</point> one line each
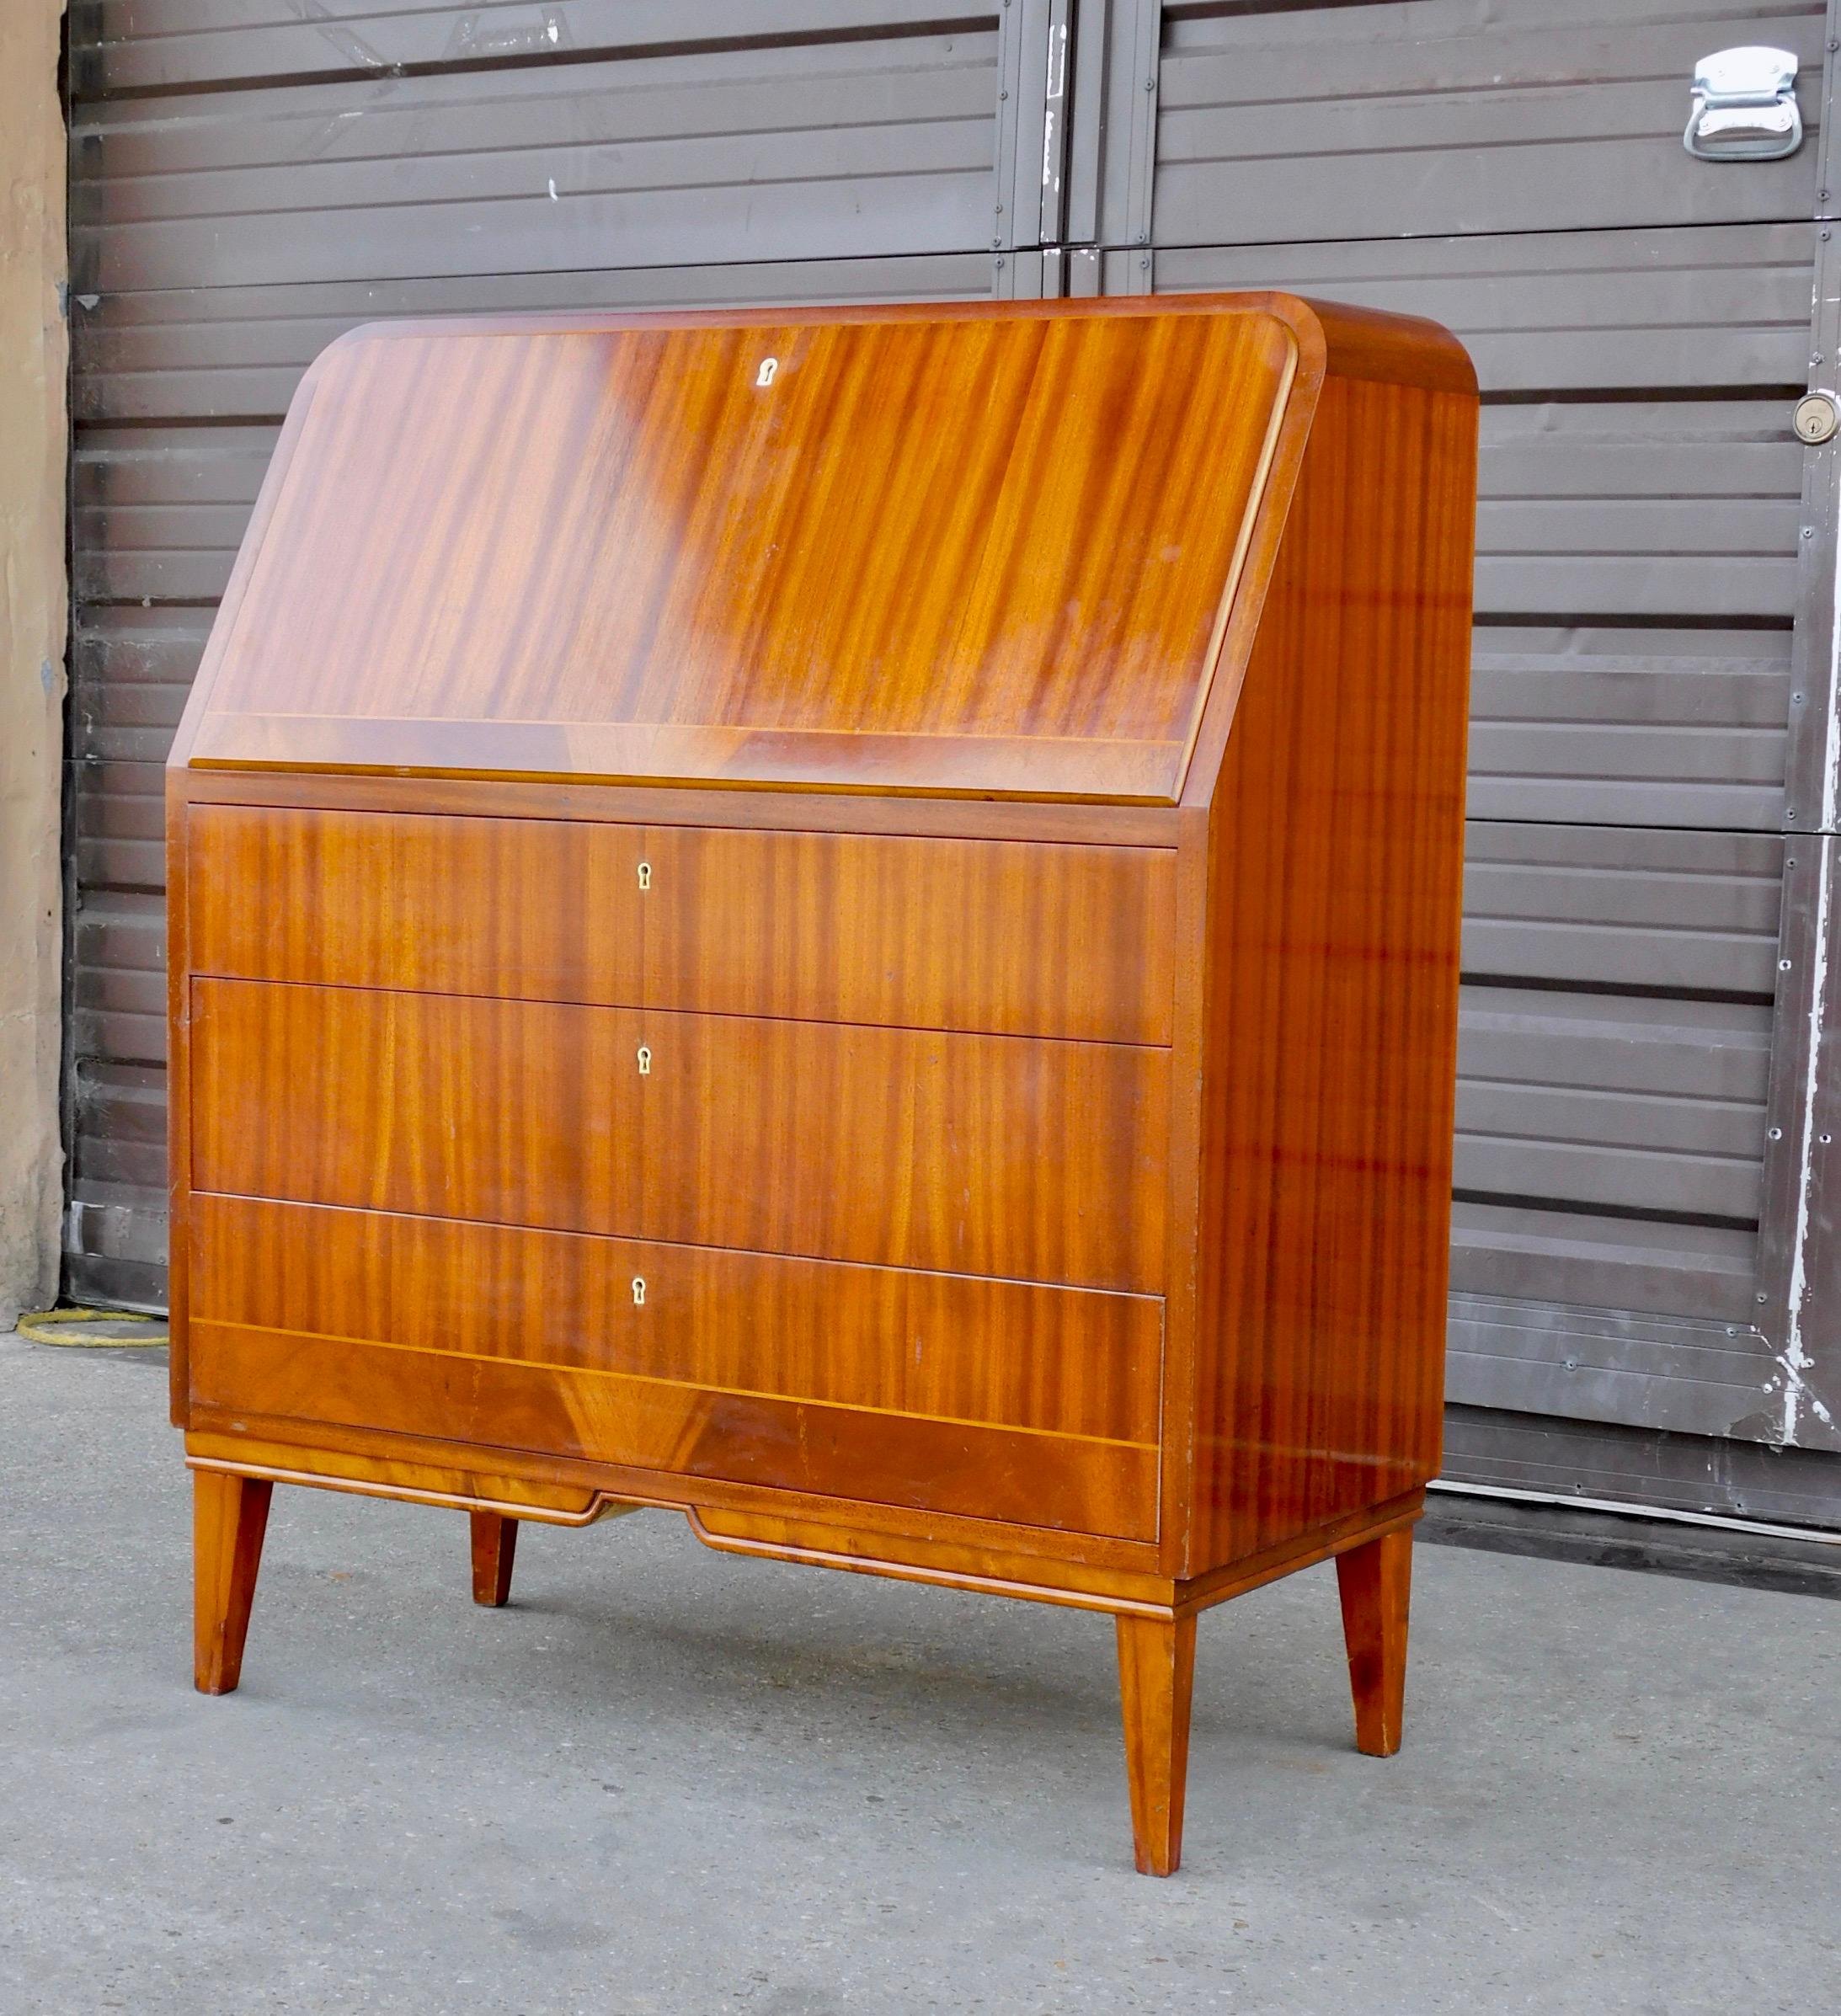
<point>1373,1580</point>
<point>495,1542</point>
<point>1156,1676</point>
<point>229,1516</point>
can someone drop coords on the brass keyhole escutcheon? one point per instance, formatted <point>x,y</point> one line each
<point>645,875</point>
<point>639,1291</point>
<point>645,1061</point>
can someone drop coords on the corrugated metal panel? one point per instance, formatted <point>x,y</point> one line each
<point>349,161</point>
<point>131,670</point>
<point>1641,325</point>
<point>236,352</point>
<point>818,150</point>
<point>1647,911</point>
<point>1651,1466</point>
<point>117,1214</point>
<point>157,512</point>
<point>1629,726</point>
<point>250,177</point>
<point>119,995</point>
<point>1598,1100</point>
<point>1694,1377</point>
<point>1667,509</point>
<point>124,46</point>
<point>1438,116</point>
<point>1546,312</point>
<point>1534,1258</point>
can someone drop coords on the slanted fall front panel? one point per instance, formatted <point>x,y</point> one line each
<point>728,552</point>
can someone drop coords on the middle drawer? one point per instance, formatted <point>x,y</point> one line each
<point>995,1155</point>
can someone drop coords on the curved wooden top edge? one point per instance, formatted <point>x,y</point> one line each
<point>1347,341</point>
<point>1394,349</point>
<point>1330,339</point>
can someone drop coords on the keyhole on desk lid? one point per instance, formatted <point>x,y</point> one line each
<point>639,1291</point>
<point>769,366</point>
<point>645,1061</point>
<point>645,875</point>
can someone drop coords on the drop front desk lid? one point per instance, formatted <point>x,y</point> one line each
<point>989,550</point>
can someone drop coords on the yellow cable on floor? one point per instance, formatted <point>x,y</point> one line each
<point>68,1326</point>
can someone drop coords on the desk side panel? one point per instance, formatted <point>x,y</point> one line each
<point>1330,1022</point>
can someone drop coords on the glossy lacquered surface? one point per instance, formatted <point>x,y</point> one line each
<point>870,956</point>
<point>1060,1361</point>
<point>968,553</point>
<point>893,1147</point>
<point>992,937</point>
<point>1328,1025</point>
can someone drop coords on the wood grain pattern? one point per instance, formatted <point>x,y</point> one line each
<point>653,540</point>
<point>861,1543</point>
<point>1081,1571</point>
<point>179,1124</point>
<point>1373,1582</point>
<point>1157,1682</point>
<point>548,909</point>
<point>494,1545</point>
<point>1072,941</point>
<point>1037,821</point>
<point>893,1147</point>
<point>1119,770</point>
<point>1328,1001</point>
<point>539,1498</point>
<point>348,1456</point>
<point>1068,1361</point>
<point>953,1468</point>
<point>230,1516</point>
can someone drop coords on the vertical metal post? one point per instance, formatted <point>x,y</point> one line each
<point>1118,53</point>
<point>1089,117</point>
<point>1023,121</point>
<point>1057,75</point>
<point>1799,1291</point>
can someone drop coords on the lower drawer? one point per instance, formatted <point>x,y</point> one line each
<point>1003,1354</point>
<point>991,1400</point>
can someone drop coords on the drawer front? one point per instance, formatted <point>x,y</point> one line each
<point>1007,936</point>
<point>259,1379</point>
<point>945,1348</point>
<point>1004,935</point>
<point>973,1155</point>
<point>546,909</point>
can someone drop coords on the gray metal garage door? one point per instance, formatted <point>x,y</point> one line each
<point>1643,1236</point>
<point>250,178</point>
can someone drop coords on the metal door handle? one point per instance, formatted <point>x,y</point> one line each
<point>1744,106</point>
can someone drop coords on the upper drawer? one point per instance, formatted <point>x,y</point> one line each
<point>1009,936</point>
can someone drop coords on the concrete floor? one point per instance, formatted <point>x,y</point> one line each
<point>667,1781</point>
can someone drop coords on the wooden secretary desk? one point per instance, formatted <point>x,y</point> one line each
<point>845,920</point>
